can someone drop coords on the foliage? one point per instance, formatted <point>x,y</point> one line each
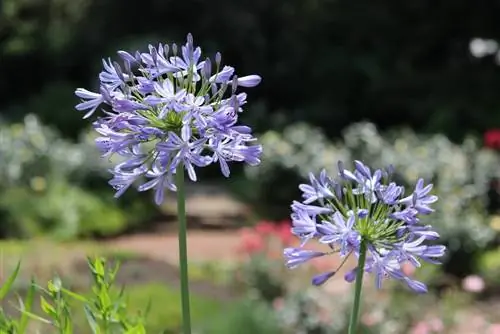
<point>259,276</point>
<point>489,266</point>
<point>43,182</point>
<point>247,316</point>
<point>460,172</point>
<point>105,308</point>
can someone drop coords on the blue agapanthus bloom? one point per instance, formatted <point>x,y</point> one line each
<point>365,205</point>
<point>166,108</point>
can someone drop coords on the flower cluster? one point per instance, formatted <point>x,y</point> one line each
<point>364,210</point>
<point>168,108</point>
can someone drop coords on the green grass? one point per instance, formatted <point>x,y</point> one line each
<point>43,258</point>
<point>165,312</point>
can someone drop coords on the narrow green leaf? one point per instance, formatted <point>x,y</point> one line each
<point>47,308</point>
<point>99,266</point>
<point>26,306</point>
<point>68,325</point>
<point>8,283</point>
<point>138,329</point>
<point>115,270</point>
<point>91,320</point>
<point>74,295</point>
<point>121,294</point>
<point>36,317</point>
<point>148,308</point>
<point>105,299</point>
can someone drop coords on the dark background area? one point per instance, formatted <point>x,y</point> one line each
<point>327,62</point>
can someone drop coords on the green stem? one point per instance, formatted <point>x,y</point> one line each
<point>353,323</point>
<point>183,257</point>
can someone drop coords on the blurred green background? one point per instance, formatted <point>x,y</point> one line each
<point>410,84</point>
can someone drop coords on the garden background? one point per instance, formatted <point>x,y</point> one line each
<point>416,85</point>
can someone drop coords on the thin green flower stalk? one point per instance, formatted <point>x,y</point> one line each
<point>183,256</point>
<point>166,112</point>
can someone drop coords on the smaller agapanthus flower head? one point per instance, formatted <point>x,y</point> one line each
<point>365,207</point>
<point>167,108</point>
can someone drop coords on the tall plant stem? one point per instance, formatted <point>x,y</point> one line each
<point>183,256</point>
<point>353,323</point>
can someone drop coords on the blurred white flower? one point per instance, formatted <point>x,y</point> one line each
<point>473,283</point>
<point>479,47</point>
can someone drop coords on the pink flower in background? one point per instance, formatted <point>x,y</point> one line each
<point>278,303</point>
<point>492,138</point>
<point>265,236</point>
<point>494,329</point>
<point>436,325</point>
<point>370,319</point>
<point>284,232</point>
<point>264,228</point>
<point>251,242</point>
<point>322,263</point>
<point>408,269</point>
<point>421,327</point>
<point>473,283</point>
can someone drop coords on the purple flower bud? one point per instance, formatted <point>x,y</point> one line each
<point>154,54</point>
<point>118,70</point>
<point>207,68</point>
<point>127,57</point>
<point>350,276</point>
<point>234,86</point>
<point>218,59</point>
<point>249,81</point>
<point>322,278</point>
<point>189,39</point>
<point>297,256</point>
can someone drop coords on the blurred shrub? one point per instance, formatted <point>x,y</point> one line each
<point>63,210</point>
<point>489,267</point>
<point>460,172</point>
<point>262,248</point>
<point>42,179</point>
<point>288,157</point>
<point>30,149</point>
<point>53,104</point>
<point>246,316</point>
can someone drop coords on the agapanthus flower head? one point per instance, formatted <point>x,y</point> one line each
<point>166,108</point>
<point>365,206</point>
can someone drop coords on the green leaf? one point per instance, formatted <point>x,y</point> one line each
<point>114,272</point>
<point>26,306</point>
<point>54,285</point>
<point>138,329</point>
<point>121,294</point>
<point>68,325</point>
<point>74,295</point>
<point>99,267</point>
<point>8,283</point>
<point>105,299</point>
<point>148,308</point>
<point>36,317</point>
<point>91,320</point>
<point>47,308</point>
